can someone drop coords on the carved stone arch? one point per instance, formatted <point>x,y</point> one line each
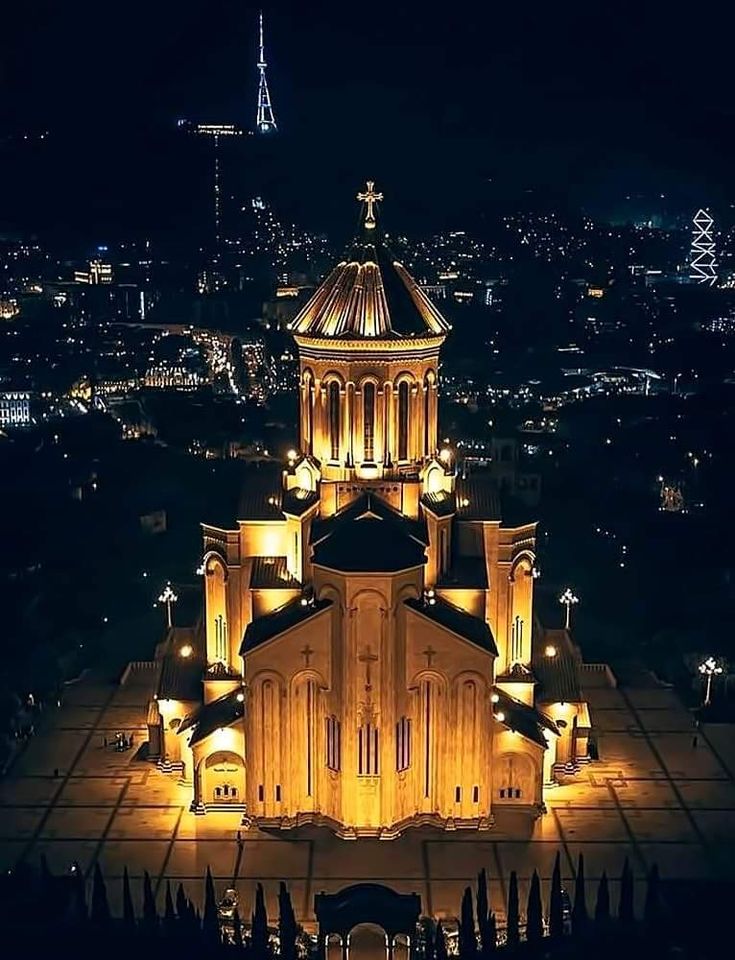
<point>213,559</point>
<point>516,778</point>
<point>430,376</point>
<point>307,673</point>
<point>426,673</point>
<point>405,375</point>
<point>331,376</point>
<point>307,376</point>
<point>267,673</point>
<point>408,591</point>
<point>369,378</point>
<point>475,675</point>
<point>221,777</point>
<point>526,560</point>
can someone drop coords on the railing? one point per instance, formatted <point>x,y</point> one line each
<point>137,666</point>
<point>597,675</point>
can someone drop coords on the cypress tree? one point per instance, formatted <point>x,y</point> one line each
<point>602,905</point>
<point>580,916</point>
<point>492,935</point>
<point>429,938</point>
<point>127,900</point>
<point>556,907</point>
<point>625,907</point>
<point>237,929</point>
<point>652,906</point>
<point>182,906</point>
<point>513,933</point>
<point>259,928</point>
<point>100,914</point>
<point>287,928</point>
<point>440,943</point>
<point>487,940</point>
<point>210,923</point>
<point>534,912</point>
<point>150,914</point>
<point>169,916</point>
<point>467,937</point>
<point>77,908</point>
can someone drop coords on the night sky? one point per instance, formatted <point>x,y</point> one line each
<point>451,108</point>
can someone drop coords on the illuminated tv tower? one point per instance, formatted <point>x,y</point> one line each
<point>265,122</point>
<point>703,261</point>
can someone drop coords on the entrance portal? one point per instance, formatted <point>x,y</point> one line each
<point>367,922</point>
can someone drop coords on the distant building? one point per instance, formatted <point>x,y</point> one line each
<point>96,273</point>
<point>15,408</point>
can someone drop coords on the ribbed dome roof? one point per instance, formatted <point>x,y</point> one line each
<point>369,295</point>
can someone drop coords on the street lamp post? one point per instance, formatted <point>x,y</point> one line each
<point>168,597</point>
<point>568,599</point>
<point>710,668</point>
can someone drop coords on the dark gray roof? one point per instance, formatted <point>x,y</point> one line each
<point>458,621</point>
<point>558,676</point>
<point>465,572</point>
<point>272,624</point>
<point>477,498</point>
<point>270,573</point>
<point>211,716</point>
<point>297,501</point>
<point>369,536</point>
<point>528,721</point>
<point>180,677</point>
<point>440,504</point>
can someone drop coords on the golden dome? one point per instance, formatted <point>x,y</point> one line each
<point>369,295</point>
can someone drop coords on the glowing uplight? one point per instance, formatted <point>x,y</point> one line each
<point>240,697</point>
<point>186,651</point>
<point>445,454</point>
<point>500,716</point>
<point>494,698</point>
<point>550,650</point>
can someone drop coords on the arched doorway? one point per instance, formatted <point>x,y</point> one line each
<point>368,941</point>
<point>367,922</point>
<point>224,779</point>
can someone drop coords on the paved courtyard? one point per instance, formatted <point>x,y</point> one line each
<point>653,796</point>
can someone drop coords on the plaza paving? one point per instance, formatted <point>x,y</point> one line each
<point>652,796</point>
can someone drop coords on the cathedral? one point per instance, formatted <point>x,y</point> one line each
<point>368,658</point>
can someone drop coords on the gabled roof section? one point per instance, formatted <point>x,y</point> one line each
<point>271,573</point>
<point>528,721</point>
<point>368,536</point>
<point>558,676</point>
<point>290,615</point>
<point>180,677</point>
<point>456,620</point>
<point>211,716</point>
<point>369,295</point>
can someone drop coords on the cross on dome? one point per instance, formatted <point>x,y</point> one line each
<point>369,197</point>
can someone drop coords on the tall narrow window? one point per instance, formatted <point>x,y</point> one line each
<point>516,640</point>
<point>403,744</point>
<point>220,638</point>
<point>403,420</point>
<point>367,751</point>
<point>310,697</point>
<point>334,744</point>
<point>427,415</point>
<point>310,415</point>
<point>334,419</point>
<point>368,419</point>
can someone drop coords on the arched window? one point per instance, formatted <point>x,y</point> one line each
<point>403,420</point>
<point>368,419</point>
<point>310,415</point>
<point>427,414</point>
<point>334,419</point>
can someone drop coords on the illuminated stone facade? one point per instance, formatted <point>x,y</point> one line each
<point>368,650</point>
